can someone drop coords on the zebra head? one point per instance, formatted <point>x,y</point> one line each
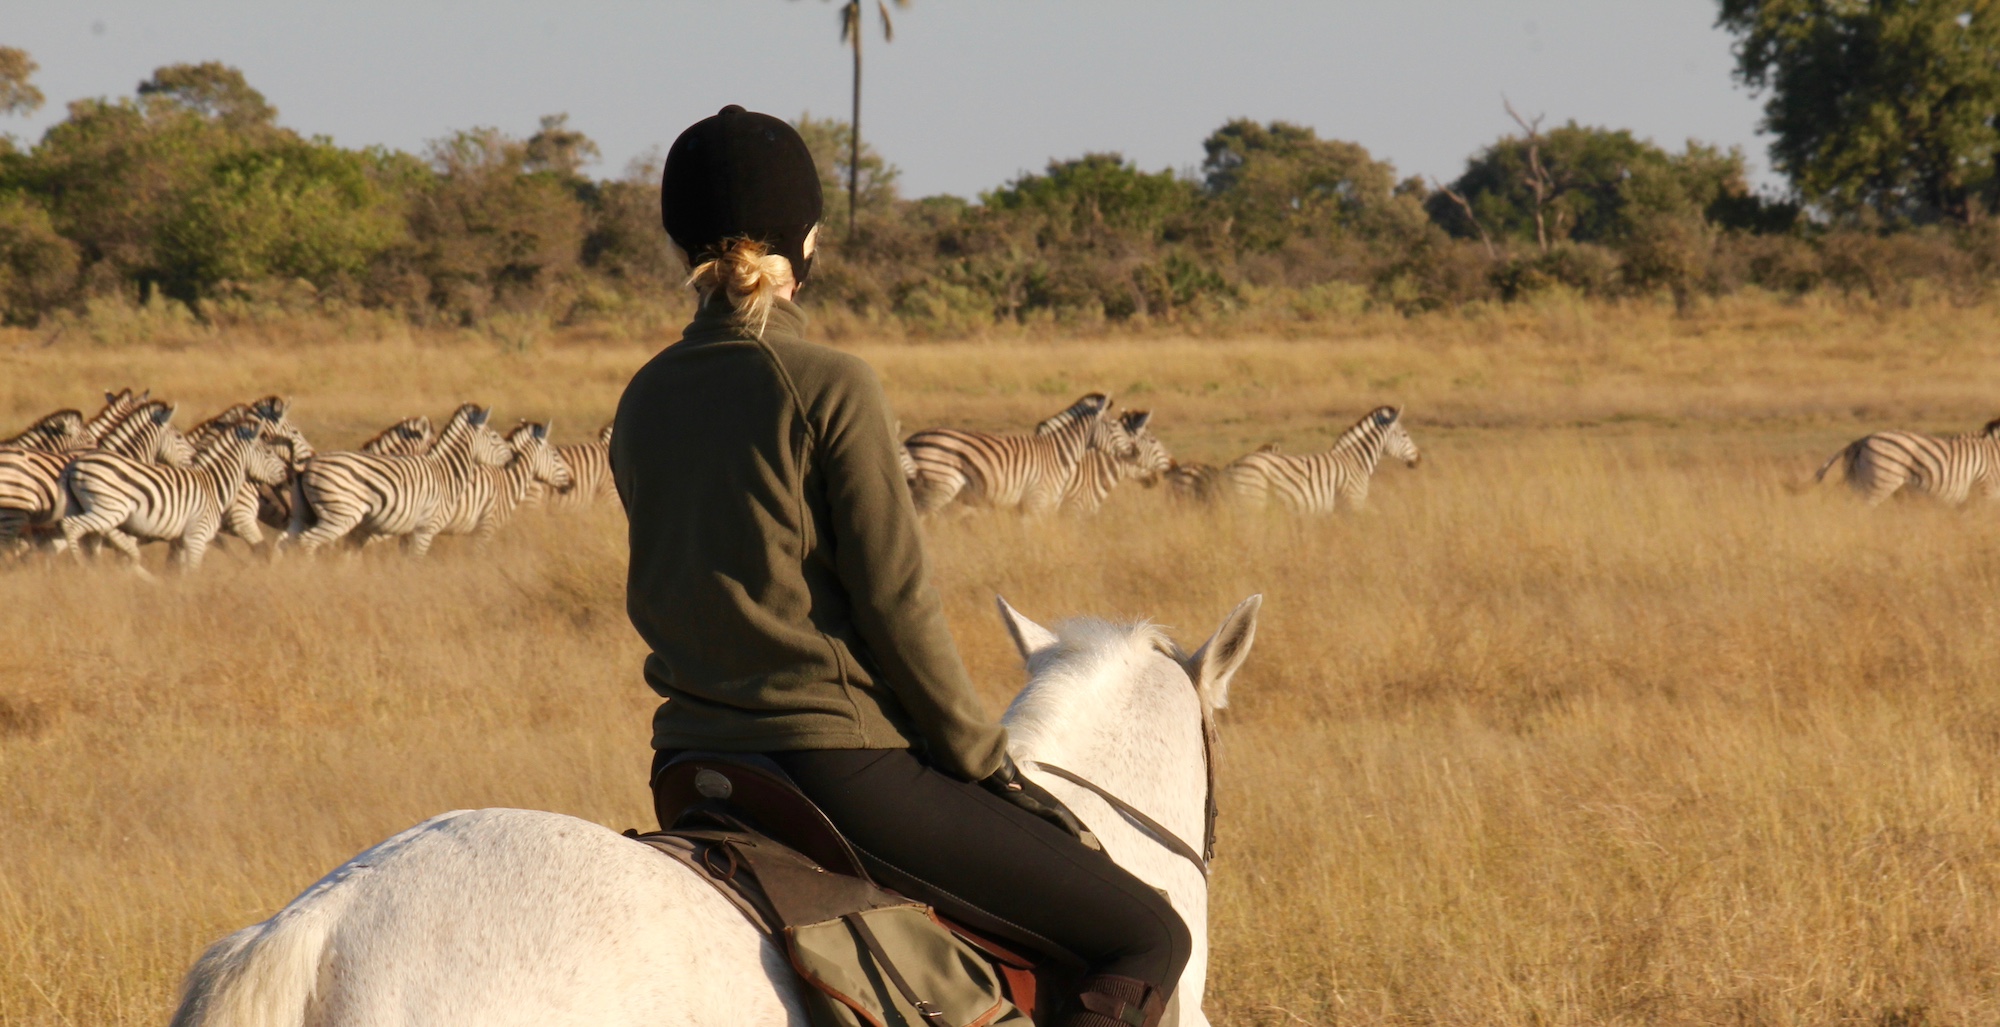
<point>175,449</point>
<point>1396,442</point>
<point>487,446</point>
<point>529,443</point>
<point>1150,459</point>
<point>272,411</point>
<point>261,462</point>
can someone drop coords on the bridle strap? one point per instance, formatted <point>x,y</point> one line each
<point>1153,827</point>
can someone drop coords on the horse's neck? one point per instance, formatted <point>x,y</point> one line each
<point>221,467</point>
<point>510,485</point>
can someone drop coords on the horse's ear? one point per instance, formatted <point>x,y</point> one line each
<point>1137,420</point>
<point>1217,660</point>
<point>542,431</point>
<point>1029,637</point>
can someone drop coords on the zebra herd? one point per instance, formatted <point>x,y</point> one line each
<point>1074,459</point>
<point>127,476</point>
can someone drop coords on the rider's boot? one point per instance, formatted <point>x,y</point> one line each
<point>1108,1000</point>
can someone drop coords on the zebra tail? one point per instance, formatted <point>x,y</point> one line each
<point>1846,453</point>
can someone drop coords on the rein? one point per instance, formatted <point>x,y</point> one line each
<point>1159,831</point>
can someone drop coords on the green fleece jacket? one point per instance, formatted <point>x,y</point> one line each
<point>777,572</point>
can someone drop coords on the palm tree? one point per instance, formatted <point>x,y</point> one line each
<point>850,33</point>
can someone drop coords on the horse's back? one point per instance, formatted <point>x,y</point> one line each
<point>494,917</point>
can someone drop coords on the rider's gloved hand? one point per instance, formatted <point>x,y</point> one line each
<point>1008,784</point>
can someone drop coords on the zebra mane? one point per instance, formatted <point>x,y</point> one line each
<point>463,420</point>
<point>1370,425</point>
<point>400,436</point>
<point>117,405</point>
<point>144,418</point>
<point>59,426</point>
<point>1089,406</point>
<point>222,420</point>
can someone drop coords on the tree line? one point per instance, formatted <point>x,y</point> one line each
<point>1885,119</point>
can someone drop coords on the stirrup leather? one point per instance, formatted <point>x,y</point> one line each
<point>1123,999</point>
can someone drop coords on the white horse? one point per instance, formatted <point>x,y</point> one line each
<point>499,916</point>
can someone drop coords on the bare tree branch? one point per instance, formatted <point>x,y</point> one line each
<point>1466,206</point>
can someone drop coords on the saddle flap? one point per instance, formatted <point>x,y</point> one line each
<point>757,791</point>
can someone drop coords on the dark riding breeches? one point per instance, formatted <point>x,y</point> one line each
<point>991,864</point>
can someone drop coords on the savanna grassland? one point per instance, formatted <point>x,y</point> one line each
<point>1588,720</point>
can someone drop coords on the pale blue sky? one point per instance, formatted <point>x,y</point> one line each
<point>971,93</point>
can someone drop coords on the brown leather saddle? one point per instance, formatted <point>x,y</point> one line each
<point>703,797</point>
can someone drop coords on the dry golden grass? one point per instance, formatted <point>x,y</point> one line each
<point>1587,721</point>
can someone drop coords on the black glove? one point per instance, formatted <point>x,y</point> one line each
<point>1008,784</point>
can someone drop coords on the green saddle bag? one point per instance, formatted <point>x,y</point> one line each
<point>871,958</point>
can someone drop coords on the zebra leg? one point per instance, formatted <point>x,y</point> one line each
<point>243,516</point>
<point>932,493</point>
<point>93,523</point>
<point>189,550</point>
<point>418,542</point>
<point>333,524</point>
<point>13,528</point>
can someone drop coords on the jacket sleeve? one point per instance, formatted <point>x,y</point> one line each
<point>879,556</point>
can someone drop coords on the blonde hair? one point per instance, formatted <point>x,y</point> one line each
<point>749,274</point>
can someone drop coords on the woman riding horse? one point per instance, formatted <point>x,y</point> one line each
<point>779,578</point>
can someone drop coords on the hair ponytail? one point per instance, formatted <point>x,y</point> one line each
<point>748,274</point>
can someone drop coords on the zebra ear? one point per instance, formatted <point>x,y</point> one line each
<point>1029,637</point>
<point>541,432</point>
<point>1218,659</point>
<point>162,415</point>
<point>478,417</point>
<point>1137,420</point>
<point>1387,416</point>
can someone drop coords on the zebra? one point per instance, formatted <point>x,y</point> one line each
<point>59,432</point>
<point>1316,483</point>
<point>116,406</point>
<point>260,500</point>
<point>411,436</point>
<point>1879,465</point>
<point>1194,481</point>
<point>124,500</point>
<point>1120,447</point>
<point>1030,472</point>
<point>409,496</point>
<point>589,465</point>
<point>534,465</point>
<point>31,493</point>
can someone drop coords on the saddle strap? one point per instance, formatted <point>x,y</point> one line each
<point>859,925</point>
<point>1153,827</point>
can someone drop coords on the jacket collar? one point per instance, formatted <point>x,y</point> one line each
<point>717,321</point>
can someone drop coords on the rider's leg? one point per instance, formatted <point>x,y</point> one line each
<point>973,855</point>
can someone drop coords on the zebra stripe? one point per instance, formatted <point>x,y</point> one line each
<point>1198,482</point>
<point>413,497</point>
<point>1317,483</point>
<point>59,432</point>
<point>589,466</point>
<point>116,406</point>
<point>147,434</point>
<point>411,436</point>
<point>125,501</point>
<point>533,464</point>
<point>31,493</point>
<point>1029,472</point>
<point>257,500</point>
<point>1120,447</point>
<point>1947,469</point>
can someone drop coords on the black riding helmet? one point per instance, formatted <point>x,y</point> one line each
<point>741,174</point>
